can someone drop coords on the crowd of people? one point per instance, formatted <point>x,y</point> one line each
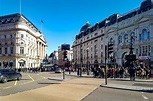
<point>121,72</point>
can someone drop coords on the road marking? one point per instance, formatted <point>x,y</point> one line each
<point>31,78</point>
<point>15,83</point>
<point>145,97</point>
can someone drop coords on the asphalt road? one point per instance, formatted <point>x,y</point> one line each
<point>109,94</point>
<point>31,81</point>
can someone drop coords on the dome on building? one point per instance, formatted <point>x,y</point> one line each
<point>85,27</point>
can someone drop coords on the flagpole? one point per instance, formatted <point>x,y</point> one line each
<point>41,25</point>
<point>20,6</point>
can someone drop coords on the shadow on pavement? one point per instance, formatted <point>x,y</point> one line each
<point>143,90</point>
<point>49,83</point>
<point>142,84</point>
<point>55,79</point>
<point>25,79</point>
<point>137,80</point>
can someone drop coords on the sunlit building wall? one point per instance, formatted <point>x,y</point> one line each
<point>89,44</point>
<point>22,45</point>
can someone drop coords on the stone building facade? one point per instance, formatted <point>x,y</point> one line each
<point>89,45</point>
<point>22,45</point>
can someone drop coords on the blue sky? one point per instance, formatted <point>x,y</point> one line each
<point>63,19</point>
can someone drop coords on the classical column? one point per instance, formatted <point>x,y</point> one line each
<point>43,51</point>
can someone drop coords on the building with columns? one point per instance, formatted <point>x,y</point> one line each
<point>22,45</point>
<point>89,45</point>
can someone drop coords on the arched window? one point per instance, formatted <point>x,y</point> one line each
<point>144,35</point>
<point>126,38</point>
<point>133,35</point>
<point>119,39</point>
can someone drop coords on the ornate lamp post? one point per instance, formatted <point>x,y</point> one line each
<point>130,58</point>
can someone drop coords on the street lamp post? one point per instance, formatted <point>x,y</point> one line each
<point>80,69</point>
<point>87,63</point>
<point>105,65</point>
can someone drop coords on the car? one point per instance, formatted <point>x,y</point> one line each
<point>58,70</point>
<point>9,74</point>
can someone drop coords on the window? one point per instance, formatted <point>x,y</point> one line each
<point>5,50</point>
<point>95,41</point>
<point>101,46</point>
<point>11,50</point>
<point>11,43</point>
<point>119,39</point>
<point>21,50</point>
<point>96,34</point>
<point>5,36</point>
<point>21,43</point>
<point>134,36</point>
<point>126,38</point>
<point>22,36</point>
<point>0,50</point>
<point>102,31</point>
<point>139,50</point>
<point>144,35</point>
<point>12,20</point>
<point>11,36</point>
<point>101,54</point>
<point>144,50</point>
<point>95,50</point>
<point>149,50</point>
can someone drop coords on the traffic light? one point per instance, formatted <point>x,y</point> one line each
<point>65,55</point>
<point>110,49</point>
